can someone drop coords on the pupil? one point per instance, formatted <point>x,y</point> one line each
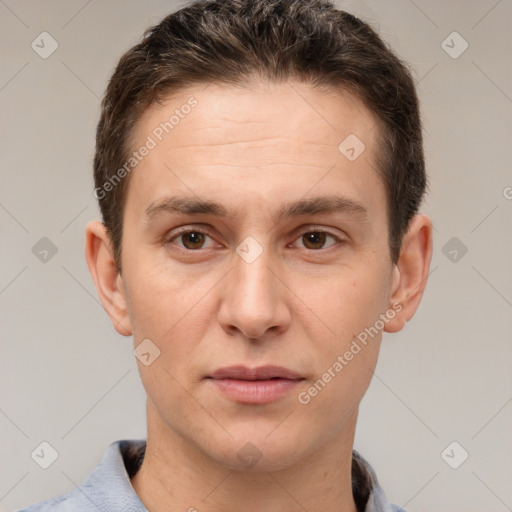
<point>315,238</point>
<point>195,239</point>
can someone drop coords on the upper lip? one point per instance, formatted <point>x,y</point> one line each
<point>260,373</point>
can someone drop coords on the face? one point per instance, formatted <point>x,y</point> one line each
<point>251,240</point>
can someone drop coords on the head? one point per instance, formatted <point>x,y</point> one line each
<point>259,169</point>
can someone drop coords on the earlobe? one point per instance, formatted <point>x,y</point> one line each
<point>411,271</point>
<point>106,276</point>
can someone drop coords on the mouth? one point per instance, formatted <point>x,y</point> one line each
<point>254,385</point>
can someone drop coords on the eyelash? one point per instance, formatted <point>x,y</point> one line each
<point>169,240</point>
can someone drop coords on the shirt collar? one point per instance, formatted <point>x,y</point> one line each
<point>111,489</point>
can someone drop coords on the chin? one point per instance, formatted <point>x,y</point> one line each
<point>257,453</point>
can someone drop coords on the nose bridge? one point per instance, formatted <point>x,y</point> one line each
<point>252,303</point>
<point>252,277</point>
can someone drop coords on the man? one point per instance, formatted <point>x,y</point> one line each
<point>259,168</point>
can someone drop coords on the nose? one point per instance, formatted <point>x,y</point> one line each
<point>254,300</point>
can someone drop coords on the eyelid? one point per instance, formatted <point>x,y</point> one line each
<point>315,227</point>
<point>341,236</point>
<point>167,238</point>
<point>302,230</point>
<point>319,229</point>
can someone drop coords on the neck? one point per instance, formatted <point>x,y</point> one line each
<point>175,475</point>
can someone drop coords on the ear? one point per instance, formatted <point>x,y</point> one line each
<point>106,276</point>
<point>410,273</point>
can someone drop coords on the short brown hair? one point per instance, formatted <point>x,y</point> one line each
<point>234,41</point>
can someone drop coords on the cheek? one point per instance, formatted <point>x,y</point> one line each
<point>347,356</point>
<point>337,391</point>
<point>350,305</point>
<point>159,296</point>
<point>351,300</point>
<point>174,310</point>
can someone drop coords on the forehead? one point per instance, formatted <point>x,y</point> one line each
<point>224,113</point>
<point>230,141</point>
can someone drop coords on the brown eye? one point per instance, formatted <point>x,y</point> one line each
<point>314,240</point>
<point>192,239</point>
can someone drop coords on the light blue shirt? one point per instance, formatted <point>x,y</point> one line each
<point>108,487</point>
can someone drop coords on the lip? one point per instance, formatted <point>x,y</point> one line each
<point>266,372</point>
<point>255,385</point>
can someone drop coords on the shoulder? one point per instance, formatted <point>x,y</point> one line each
<point>108,487</point>
<point>66,502</point>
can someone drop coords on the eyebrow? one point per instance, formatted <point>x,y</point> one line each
<point>301,207</point>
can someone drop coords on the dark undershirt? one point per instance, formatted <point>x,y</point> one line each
<point>362,481</point>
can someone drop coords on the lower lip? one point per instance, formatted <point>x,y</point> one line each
<point>255,391</point>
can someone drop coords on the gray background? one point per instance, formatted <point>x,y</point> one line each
<point>69,379</point>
